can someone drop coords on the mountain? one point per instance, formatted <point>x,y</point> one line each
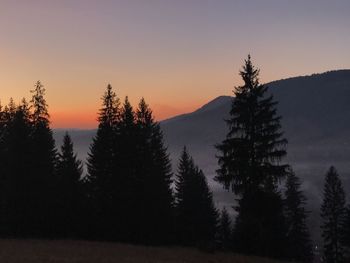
<point>313,108</point>
<point>199,130</point>
<point>315,114</point>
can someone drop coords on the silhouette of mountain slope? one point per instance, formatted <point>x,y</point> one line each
<point>313,108</point>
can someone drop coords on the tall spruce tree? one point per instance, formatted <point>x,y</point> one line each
<point>100,186</point>
<point>249,160</point>
<point>299,242</point>
<point>2,130</point>
<point>2,123</point>
<point>224,235</point>
<point>44,162</point>
<point>333,213</point>
<point>126,166</point>
<point>15,188</point>
<point>2,133</point>
<point>5,119</point>
<point>69,171</point>
<point>154,178</point>
<point>346,238</point>
<point>196,215</point>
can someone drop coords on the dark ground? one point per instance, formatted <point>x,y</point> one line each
<point>59,251</point>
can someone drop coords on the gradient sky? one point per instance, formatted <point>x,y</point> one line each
<point>177,54</point>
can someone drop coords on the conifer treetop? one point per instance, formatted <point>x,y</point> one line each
<point>109,113</point>
<point>38,104</point>
<point>144,114</point>
<point>127,113</point>
<point>249,74</point>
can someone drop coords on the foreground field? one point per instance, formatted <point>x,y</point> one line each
<point>28,251</point>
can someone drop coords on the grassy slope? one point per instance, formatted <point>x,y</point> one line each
<point>14,251</point>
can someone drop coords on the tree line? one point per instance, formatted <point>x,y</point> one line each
<point>127,194</point>
<point>130,193</point>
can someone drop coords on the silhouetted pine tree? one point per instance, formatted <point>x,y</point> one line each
<point>44,160</point>
<point>224,233</point>
<point>2,131</point>
<point>8,113</point>
<point>2,147</point>
<point>153,178</point>
<point>346,238</point>
<point>196,216</point>
<point>126,167</point>
<point>333,213</point>
<point>100,186</point>
<point>5,118</point>
<point>299,242</point>
<point>69,171</point>
<point>249,160</point>
<point>16,165</point>
<point>2,124</point>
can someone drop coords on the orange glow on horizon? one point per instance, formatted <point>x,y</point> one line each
<point>88,119</point>
<point>81,120</point>
<point>178,55</point>
<point>163,112</point>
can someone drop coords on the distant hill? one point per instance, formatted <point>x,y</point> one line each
<point>313,108</point>
<point>315,114</point>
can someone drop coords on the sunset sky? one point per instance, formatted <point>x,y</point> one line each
<point>177,54</point>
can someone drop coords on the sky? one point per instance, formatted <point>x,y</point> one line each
<point>176,54</point>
